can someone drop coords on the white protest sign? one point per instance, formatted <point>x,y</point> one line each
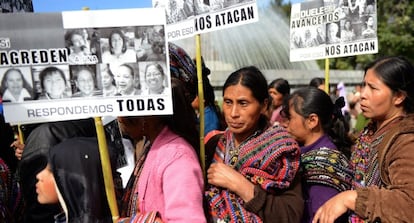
<point>328,29</point>
<point>80,64</point>
<point>186,18</point>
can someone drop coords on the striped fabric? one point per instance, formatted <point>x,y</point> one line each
<point>11,203</point>
<point>364,162</point>
<point>364,159</point>
<point>328,167</point>
<point>269,159</point>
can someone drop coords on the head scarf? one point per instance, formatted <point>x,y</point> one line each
<point>183,68</point>
<point>77,169</point>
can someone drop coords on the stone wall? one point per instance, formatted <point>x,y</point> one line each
<point>297,77</point>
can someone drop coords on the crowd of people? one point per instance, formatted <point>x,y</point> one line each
<point>279,154</point>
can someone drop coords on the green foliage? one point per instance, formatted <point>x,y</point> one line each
<point>285,7</point>
<point>396,28</point>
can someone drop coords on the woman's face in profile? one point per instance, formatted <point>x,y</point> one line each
<point>124,80</point>
<point>154,77</point>
<point>377,99</point>
<point>14,82</point>
<point>54,85</point>
<point>117,43</point>
<point>297,126</point>
<point>45,187</point>
<point>85,82</point>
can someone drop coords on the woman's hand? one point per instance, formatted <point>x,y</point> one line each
<point>335,207</point>
<point>18,149</point>
<point>221,175</point>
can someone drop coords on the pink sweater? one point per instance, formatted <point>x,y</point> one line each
<point>171,181</point>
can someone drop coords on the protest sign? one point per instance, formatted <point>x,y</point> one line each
<point>80,64</point>
<point>186,18</point>
<point>322,29</point>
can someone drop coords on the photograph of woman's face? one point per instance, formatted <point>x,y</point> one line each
<point>14,82</point>
<point>54,84</point>
<point>154,78</point>
<point>78,43</point>
<point>117,43</point>
<point>85,82</point>
<point>124,80</point>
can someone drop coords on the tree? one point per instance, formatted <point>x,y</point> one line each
<point>395,35</point>
<point>396,28</point>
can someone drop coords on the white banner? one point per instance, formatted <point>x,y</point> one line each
<point>186,18</point>
<point>322,29</point>
<point>80,64</point>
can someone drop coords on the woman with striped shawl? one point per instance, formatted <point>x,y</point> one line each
<point>254,165</point>
<point>321,130</point>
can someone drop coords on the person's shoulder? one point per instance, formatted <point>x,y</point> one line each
<point>107,57</point>
<point>97,93</point>
<point>408,126</point>
<point>137,91</point>
<point>77,94</point>
<point>276,129</point>
<point>42,97</point>
<point>169,147</point>
<point>130,53</point>
<point>7,97</point>
<point>106,54</point>
<point>170,142</point>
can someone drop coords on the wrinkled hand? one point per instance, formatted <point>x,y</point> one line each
<point>221,175</point>
<point>335,207</point>
<point>18,149</point>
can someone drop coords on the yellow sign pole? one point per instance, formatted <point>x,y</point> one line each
<point>327,76</point>
<point>106,169</point>
<point>106,165</point>
<point>200,101</point>
<point>20,134</point>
